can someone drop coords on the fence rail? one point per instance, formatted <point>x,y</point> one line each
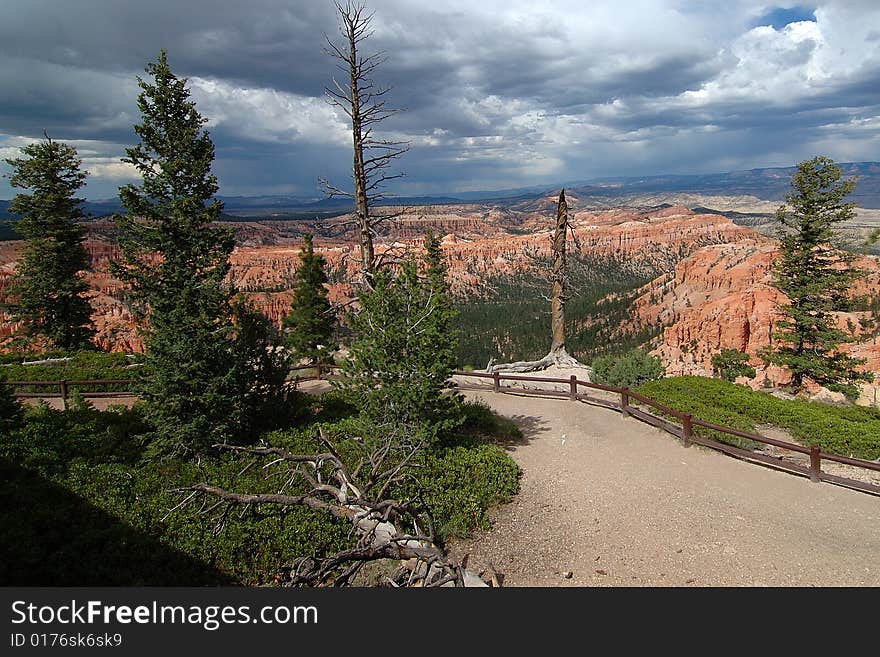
<point>684,431</point>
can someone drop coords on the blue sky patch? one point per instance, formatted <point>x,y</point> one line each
<point>779,17</point>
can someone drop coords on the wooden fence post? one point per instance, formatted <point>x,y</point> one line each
<point>573,389</point>
<point>687,429</point>
<point>624,401</point>
<point>815,465</point>
<point>64,393</point>
<point>496,382</point>
<point>318,370</point>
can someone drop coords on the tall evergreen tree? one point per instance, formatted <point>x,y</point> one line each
<point>815,277</point>
<point>49,285</point>
<point>404,351</point>
<point>309,325</point>
<point>176,264</point>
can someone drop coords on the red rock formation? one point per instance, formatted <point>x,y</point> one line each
<point>721,298</point>
<point>479,241</point>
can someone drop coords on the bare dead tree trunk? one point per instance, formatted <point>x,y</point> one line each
<point>363,102</point>
<point>559,277</point>
<point>353,32</point>
<point>557,298</point>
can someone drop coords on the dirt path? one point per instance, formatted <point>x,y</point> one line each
<point>616,502</point>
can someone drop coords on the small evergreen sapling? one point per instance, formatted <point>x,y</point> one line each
<point>404,351</point>
<point>309,325</point>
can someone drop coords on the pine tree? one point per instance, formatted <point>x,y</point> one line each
<point>732,363</point>
<point>309,325</point>
<point>815,277</point>
<point>404,351</point>
<point>176,264</point>
<point>49,285</point>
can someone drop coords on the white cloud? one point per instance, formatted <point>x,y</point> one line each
<point>267,114</point>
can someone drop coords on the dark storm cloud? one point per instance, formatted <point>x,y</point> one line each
<point>497,93</point>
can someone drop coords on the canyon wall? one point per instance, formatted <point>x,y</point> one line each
<point>713,291</point>
<point>721,297</point>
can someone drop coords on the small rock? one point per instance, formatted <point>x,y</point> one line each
<point>567,574</point>
<point>601,572</point>
<point>826,396</point>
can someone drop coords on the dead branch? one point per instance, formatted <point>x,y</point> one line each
<point>385,528</point>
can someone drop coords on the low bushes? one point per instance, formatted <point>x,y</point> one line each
<point>629,370</point>
<point>82,365</point>
<point>849,431</point>
<point>84,507</point>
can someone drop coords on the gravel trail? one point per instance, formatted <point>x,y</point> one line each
<point>609,501</point>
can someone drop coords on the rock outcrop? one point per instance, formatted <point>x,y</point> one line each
<point>720,297</point>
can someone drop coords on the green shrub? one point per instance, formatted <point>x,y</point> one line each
<point>88,510</point>
<point>731,363</point>
<point>459,484</point>
<point>849,431</point>
<point>629,370</point>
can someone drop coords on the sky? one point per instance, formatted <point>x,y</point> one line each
<point>495,94</point>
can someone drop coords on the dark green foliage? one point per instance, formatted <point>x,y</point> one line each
<point>53,536</point>
<point>815,277</point>
<point>403,353</point>
<point>116,509</point>
<point>731,363</point>
<point>631,369</point>
<point>261,368</point>
<point>460,483</point>
<point>50,440</point>
<point>508,320</point>
<point>11,412</point>
<point>850,431</point>
<point>309,325</point>
<point>48,285</point>
<point>80,506</point>
<point>176,264</point>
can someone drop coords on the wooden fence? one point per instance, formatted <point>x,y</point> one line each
<point>683,429</point>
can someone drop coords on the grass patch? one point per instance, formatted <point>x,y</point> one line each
<point>848,431</point>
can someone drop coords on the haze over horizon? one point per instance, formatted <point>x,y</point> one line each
<point>498,95</point>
